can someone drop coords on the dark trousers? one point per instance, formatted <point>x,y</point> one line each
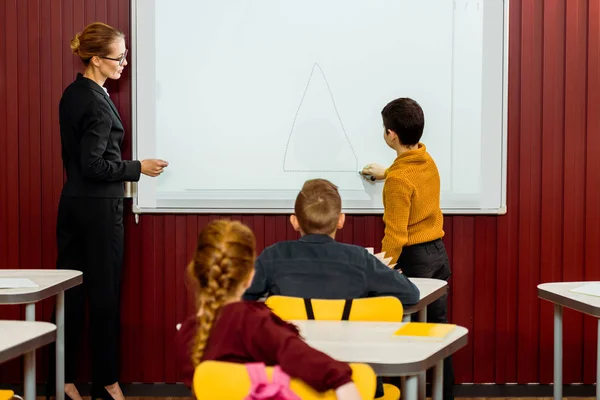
<point>90,239</point>
<point>429,260</point>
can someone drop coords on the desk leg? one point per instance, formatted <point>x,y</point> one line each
<point>422,315</point>
<point>30,359</point>
<point>402,385</point>
<point>60,346</point>
<point>411,391</point>
<point>437,390</point>
<point>558,354</point>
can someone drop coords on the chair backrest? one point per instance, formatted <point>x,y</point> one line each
<point>7,395</point>
<point>217,380</point>
<point>381,309</point>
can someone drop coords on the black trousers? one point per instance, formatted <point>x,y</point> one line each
<point>430,260</point>
<point>90,239</point>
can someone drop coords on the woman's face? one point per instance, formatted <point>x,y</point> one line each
<point>112,65</point>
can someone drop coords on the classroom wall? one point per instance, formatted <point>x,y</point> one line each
<point>551,231</point>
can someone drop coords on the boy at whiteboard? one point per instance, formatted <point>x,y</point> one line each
<point>412,215</point>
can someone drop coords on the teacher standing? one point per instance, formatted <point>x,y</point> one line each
<point>90,212</point>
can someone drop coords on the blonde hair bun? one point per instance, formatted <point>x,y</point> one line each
<point>75,44</point>
<point>95,40</point>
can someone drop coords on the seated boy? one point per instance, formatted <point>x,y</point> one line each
<point>412,215</point>
<point>316,266</point>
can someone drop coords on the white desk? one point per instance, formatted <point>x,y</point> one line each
<point>559,294</point>
<point>50,283</point>
<point>430,290</point>
<point>22,338</point>
<point>374,343</point>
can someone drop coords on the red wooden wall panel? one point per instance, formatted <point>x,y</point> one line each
<point>3,141</point>
<point>463,289</point>
<point>529,189</point>
<point>507,232</point>
<point>484,299</point>
<point>552,167</point>
<point>551,231</point>
<point>592,183</point>
<point>11,149</point>
<point>574,173</point>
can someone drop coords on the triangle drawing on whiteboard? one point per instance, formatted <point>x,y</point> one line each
<point>318,141</point>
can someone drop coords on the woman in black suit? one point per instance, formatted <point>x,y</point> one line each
<point>90,212</point>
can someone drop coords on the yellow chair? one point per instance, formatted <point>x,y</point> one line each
<point>217,380</point>
<point>380,309</point>
<point>9,394</point>
<point>390,392</point>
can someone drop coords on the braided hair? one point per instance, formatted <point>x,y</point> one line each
<point>222,264</point>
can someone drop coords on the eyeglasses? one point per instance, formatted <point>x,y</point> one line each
<point>121,59</point>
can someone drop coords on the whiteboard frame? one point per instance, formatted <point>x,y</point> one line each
<point>376,211</point>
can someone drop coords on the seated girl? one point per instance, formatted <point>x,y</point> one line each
<point>228,329</point>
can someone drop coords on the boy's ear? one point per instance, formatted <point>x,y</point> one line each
<point>392,134</point>
<point>294,222</point>
<point>341,221</point>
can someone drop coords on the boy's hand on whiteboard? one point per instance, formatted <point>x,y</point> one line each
<point>153,167</point>
<point>375,170</point>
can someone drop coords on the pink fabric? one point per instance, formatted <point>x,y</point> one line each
<point>262,389</point>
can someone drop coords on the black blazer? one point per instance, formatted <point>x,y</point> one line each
<point>91,133</point>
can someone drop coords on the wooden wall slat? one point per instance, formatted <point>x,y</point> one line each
<point>22,99</point>
<point>148,298</point>
<point>4,99</point>
<point>10,175</point>
<point>484,321</point>
<point>530,189</point>
<point>592,184</point>
<point>552,167</point>
<point>574,176</point>
<point>463,290</point>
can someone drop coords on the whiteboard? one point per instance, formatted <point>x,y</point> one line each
<point>247,99</point>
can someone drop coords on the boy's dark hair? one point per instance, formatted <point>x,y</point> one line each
<point>318,207</point>
<point>405,117</point>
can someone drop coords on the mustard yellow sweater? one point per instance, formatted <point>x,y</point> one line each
<point>411,201</point>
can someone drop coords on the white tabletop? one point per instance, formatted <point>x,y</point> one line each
<point>374,343</point>
<point>50,282</point>
<point>20,337</point>
<point>558,293</point>
<point>430,290</point>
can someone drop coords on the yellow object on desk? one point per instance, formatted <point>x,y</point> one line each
<point>425,329</point>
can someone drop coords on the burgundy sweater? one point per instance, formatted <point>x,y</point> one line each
<point>246,332</point>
